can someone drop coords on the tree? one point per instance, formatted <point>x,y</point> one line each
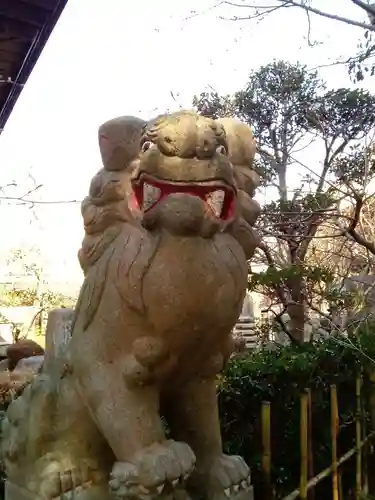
<point>26,264</point>
<point>340,254</point>
<point>338,257</point>
<point>360,63</point>
<point>291,111</point>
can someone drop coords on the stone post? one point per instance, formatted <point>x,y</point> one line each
<point>58,333</point>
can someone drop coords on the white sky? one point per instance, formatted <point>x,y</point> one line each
<point>109,57</point>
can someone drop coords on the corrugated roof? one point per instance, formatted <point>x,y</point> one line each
<point>25,26</point>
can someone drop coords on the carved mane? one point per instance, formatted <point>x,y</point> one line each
<point>178,147</point>
<point>242,148</point>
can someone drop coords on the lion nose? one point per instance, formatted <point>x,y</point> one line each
<point>206,149</point>
<point>11,455</point>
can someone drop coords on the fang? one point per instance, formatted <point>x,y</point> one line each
<point>151,195</point>
<point>215,201</point>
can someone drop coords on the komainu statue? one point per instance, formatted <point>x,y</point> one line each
<point>128,409</point>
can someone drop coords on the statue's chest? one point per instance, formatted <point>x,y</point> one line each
<point>193,283</point>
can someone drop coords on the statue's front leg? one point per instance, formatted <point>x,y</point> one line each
<point>192,413</point>
<point>127,413</point>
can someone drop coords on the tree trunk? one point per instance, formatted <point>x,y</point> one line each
<point>371,403</point>
<point>297,310</point>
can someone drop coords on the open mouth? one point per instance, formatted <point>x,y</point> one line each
<point>218,196</point>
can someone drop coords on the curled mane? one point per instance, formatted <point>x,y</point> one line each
<point>242,147</point>
<point>172,144</point>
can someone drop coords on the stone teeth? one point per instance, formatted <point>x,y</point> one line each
<point>151,195</point>
<point>160,488</point>
<point>216,201</point>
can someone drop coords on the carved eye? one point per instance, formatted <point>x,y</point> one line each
<point>221,150</point>
<point>146,146</point>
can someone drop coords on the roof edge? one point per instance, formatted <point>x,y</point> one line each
<point>29,62</point>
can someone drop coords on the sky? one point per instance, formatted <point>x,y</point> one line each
<point>108,58</point>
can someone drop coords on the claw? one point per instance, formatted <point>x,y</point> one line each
<point>160,488</point>
<point>227,492</point>
<point>248,480</point>
<point>114,484</point>
<point>67,495</point>
<point>236,488</point>
<point>175,482</point>
<point>143,490</point>
<point>243,485</point>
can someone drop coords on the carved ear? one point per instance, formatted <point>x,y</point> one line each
<point>242,148</point>
<point>241,142</point>
<point>119,141</point>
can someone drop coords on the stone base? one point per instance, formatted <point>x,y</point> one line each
<point>245,495</point>
<point>14,492</point>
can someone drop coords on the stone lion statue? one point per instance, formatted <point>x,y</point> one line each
<point>168,232</point>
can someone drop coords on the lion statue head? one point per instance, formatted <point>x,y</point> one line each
<point>182,173</point>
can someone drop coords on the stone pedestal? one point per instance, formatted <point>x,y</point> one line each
<point>245,495</point>
<point>13,492</point>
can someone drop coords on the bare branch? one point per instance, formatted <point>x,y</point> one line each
<point>194,13</point>
<point>22,201</point>
<point>280,294</point>
<point>351,230</point>
<point>307,8</point>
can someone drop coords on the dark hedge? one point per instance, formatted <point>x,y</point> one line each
<point>280,375</point>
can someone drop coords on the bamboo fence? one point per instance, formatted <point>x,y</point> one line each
<point>308,481</point>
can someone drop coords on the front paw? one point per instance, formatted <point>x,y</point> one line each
<point>58,477</point>
<point>153,471</point>
<point>226,477</point>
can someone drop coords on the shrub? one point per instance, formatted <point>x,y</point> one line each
<point>279,376</point>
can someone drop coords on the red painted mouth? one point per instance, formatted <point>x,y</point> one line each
<point>218,196</point>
